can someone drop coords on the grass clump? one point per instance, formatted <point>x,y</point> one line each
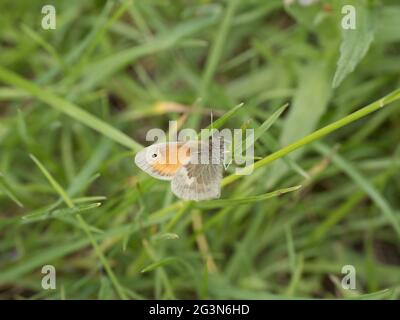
<point>76,102</point>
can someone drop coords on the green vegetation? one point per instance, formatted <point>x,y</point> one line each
<point>75,106</point>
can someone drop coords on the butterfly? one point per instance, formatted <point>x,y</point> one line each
<point>193,167</point>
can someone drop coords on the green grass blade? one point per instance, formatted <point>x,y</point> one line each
<point>84,225</point>
<point>6,188</point>
<point>159,263</point>
<point>59,212</point>
<point>223,203</point>
<point>53,182</point>
<point>355,44</point>
<point>264,127</point>
<point>68,108</point>
<point>223,119</point>
<point>393,96</point>
<point>363,183</point>
<point>100,70</point>
<point>217,47</point>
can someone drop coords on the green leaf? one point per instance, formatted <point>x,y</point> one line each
<point>355,44</point>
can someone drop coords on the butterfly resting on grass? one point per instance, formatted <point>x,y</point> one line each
<point>193,167</point>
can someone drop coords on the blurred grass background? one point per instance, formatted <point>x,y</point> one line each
<point>80,99</point>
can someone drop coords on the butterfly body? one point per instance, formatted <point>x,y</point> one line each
<point>194,167</point>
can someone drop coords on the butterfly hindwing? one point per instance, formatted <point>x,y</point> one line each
<point>197,182</point>
<point>200,179</point>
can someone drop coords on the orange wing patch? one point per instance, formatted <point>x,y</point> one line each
<point>172,160</point>
<point>167,170</point>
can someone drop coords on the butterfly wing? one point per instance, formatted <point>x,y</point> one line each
<point>156,167</point>
<point>197,180</point>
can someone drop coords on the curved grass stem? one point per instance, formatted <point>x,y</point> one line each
<point>391,97</point>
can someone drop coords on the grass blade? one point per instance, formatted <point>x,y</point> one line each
<point>258,132</point>
<point>393,96</point>
<point>159,263</point>
<point>355,44</point>
<point>364,184</point>
<point>68,108</point>
<point>217,48</point>
<point>84,225</point>
<point>59,212</point>
<point>221,120</point>
<point>6,188</point>
<point>223,203</point>
<point>100,70</point>
<point>53,182</point>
